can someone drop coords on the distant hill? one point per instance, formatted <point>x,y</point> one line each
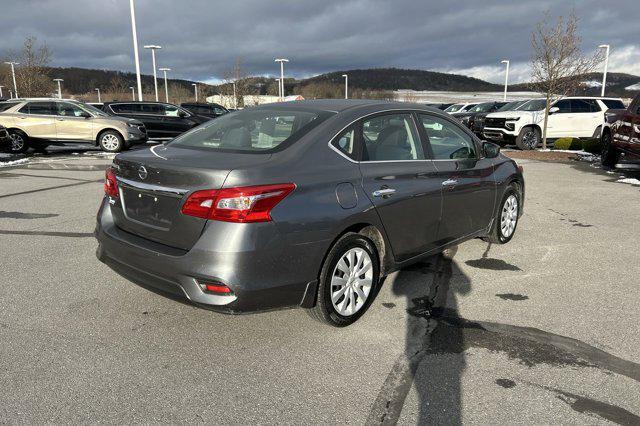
<point>618,85</point>
<point>396,78</point>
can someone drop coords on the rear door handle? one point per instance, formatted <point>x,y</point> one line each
<point>449,182</point>
<point>384,192</point>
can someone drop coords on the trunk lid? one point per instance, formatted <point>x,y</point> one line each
<point>153,185</point>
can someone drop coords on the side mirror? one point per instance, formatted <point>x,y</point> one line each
<point>553,110</point>
<point>490,150</point>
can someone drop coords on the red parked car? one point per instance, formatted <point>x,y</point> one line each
<point>621,135</point>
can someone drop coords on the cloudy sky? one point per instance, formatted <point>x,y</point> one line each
<point>201,39</point>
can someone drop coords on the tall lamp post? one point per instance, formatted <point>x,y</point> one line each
<point>279,88</point>
<point>59,80</point>
<point>99,98</point>
<point>133,93</point>
<point>346,86</point>
<point>282,61</point>
<point>135,48</point>
<point>235,99</point>
<point>166,86</point>
<point>13,73</point>
<point>506,79</point>
<point>153,48</point>
<point>195,87</point>
<point>1,91</point>
<point>606,64</point>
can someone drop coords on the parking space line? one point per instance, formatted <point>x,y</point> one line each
<point>50,188</point>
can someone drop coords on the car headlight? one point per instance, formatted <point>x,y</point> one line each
<point>133,125</point>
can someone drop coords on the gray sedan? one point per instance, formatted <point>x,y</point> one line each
<point>303,204</point>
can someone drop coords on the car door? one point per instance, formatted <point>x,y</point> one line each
<point>560,121</point>
<point>72,123</point>
<point>587,116</point>
<point>399,181</point>
<point>37,120</point>
<point>466,180</point>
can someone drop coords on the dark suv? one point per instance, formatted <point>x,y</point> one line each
<point>210,110</point>
<point>621,134</point>
<point>162,120</point>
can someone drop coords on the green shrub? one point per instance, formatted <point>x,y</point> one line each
<point>592,145</point>
<point>571,144</point>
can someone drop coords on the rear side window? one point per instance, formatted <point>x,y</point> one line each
<point>346,143</point>
<point>584,105</point>
<point>39,108</point>
<point>391,137</point>
<point>613,103</point>
<point>447,140</point>
<point>125,108</point>
<point>251,130</point>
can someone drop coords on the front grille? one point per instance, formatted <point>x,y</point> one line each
<point>495,122</point>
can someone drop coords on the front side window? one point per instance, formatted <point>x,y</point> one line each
<point>447,140</point>
<point>251,130</point>
<point>38,108</point>
<point>67,109</point>
<point>563,106</point>
<point>126,108</point>
<point>391,137</point>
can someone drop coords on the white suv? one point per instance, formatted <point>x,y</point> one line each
<point>578,117</point>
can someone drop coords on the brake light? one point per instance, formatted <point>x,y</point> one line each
<point>241,204</point>
<point>110,183</point>
<point>216,288</point>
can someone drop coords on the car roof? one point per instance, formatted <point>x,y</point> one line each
<point>339,105</point>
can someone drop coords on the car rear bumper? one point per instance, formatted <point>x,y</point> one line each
<point>257,279</point>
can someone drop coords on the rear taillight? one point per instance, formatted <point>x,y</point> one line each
<point>242,204</point>
<point>110,184</point>
<point>216,288</point>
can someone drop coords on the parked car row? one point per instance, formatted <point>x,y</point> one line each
<point>620,135</point>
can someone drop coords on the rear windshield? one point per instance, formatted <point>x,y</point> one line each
<point>454,108</point>
<point>251,130</point>
<point>482,107</point>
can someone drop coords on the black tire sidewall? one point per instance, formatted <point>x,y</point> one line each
<point>116,134</point>
<point>511,190</point>
<point>24,137</point>
<point>520,140</point>
<point>344,244</point>
<point>608,153</point>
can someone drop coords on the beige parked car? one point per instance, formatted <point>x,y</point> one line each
<point>38,123</point>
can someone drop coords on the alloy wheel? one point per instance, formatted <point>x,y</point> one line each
<point>17,142</point>
<point>509,216</point>
<point>530,139</point>
<point>110,142</point>
<point>351,281</point>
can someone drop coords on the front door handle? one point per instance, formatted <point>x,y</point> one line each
<point>384,192</point>
<point>449,182</point>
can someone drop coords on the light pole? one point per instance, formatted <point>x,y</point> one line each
<point>153,48</point>
<point>235,99</point>
<point>346,86</point>
<point>133,93</point>
<point>506,79</point>
<point>13,73</point>
<point>606,64</point>
<point>135,48</point>
<point>166,87</point>
<point>195,87</point>
<point>1,91</point>
<point>279,88</point>
<point>59,80</point>
<point>99,98</point>
<point>282,61</point>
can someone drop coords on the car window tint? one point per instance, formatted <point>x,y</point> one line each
<point>391,137</point>
<point>613,103</point>
<point>68,109</point>
<point>563,106</point>
<point>447,140</point>
<point>218,111</point>
<point>39,108</point>
<point>580,105</point>
<point>125,108</point>
<point>346,143</point>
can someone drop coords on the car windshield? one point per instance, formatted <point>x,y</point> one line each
<point>484,107</point>
<point>511,106</point>
<point>6,105</point>
<point>455,108</point>
<point>533,105</point>
<point>251,130</point>
<point>93,110</point>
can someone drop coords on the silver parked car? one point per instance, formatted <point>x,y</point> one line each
<point>303,204</point>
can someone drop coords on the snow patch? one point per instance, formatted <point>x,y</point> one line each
<point>630,181</point>
<point>14,162</point>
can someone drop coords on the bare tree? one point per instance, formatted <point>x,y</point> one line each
<point>238,75</point>
<point>558,62</point>
<point>31,75</point>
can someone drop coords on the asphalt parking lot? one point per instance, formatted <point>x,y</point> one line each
<point>541,330</point>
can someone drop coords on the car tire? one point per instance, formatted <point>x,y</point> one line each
<point>343,296</point>
<point>19,142</point>
<point>528,138</point>
<point>609,155</point>
<point>111,141</point>
<point>506,220</point>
